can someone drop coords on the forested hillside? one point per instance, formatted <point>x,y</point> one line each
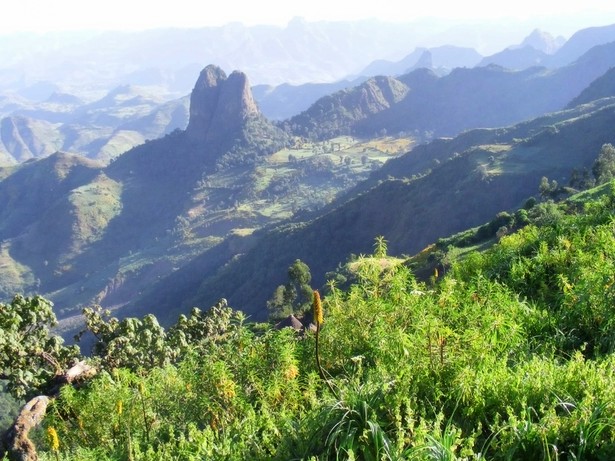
<point>435,190</point>
<point>508,355</point>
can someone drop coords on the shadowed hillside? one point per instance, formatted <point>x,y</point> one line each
<point>119,223</point>
<point>436,190</point>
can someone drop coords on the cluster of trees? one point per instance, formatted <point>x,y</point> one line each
<point>602,171</point>
<point>509,355</point>
<point>294,297</point>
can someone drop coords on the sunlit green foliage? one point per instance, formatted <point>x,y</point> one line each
<point>567,269</point>
<point>510,355</point>
<point>295,296</point>
<point>30,356</point>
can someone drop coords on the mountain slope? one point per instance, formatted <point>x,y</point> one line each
<point>66,216</point>
<point>457,184</point>
<point>602,87</point>
<point>466,98</point>
<point>334,115</point>
<point>106,236</point>
<point>165,208</point>
<point>283,101</point>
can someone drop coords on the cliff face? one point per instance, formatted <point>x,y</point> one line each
<point>219,105</point>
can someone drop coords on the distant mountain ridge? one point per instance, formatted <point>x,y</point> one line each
<point>102,129</point>
<point>128,115</point>
<point>516,58</point>
<point>441,59</point>
<point>298,53</point>
<point>581,42</point>
<point>541,49</point>
<point>488,96</point>
<point>543,41</point>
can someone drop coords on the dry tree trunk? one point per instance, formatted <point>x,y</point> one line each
<point>19,446</point>
<point>17,443</point>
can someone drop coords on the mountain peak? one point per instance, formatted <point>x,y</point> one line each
<point>219,104</point>
<point>543,41</point>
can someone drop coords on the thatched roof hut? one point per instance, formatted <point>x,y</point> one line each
<point>290,322</point>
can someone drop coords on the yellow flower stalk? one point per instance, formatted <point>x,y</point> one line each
<point>54,440</point>
<point>317,305</point>
<point>226,387</point>
<point>119,407</point>
<point>291,372</point>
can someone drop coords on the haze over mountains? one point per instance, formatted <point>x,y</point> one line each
<point>301,52</point>
<point>78,108</point>
<point>221,199</point>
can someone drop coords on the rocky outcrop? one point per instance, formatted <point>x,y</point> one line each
<point>219,105</point>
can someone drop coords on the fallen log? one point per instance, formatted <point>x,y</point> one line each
<point>17,443</point>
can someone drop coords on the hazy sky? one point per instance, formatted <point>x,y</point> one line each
<point>53,15</point>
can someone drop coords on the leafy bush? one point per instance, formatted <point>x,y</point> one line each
<point>510,355</point>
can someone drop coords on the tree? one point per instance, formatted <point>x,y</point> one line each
<point>581,179</point>
<point>128,343</point>
<point>550,190</point>
<point>295,296</point>
<point>604,166</point>
<point>30,355</point>
<point>33,360</point>
<point>380,247</point>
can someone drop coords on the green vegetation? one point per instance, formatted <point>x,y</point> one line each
<point>295,296</point>
<point>8,408</point>
<point>107,234</point>
<point>508,355</point>
<point>339,113</point>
